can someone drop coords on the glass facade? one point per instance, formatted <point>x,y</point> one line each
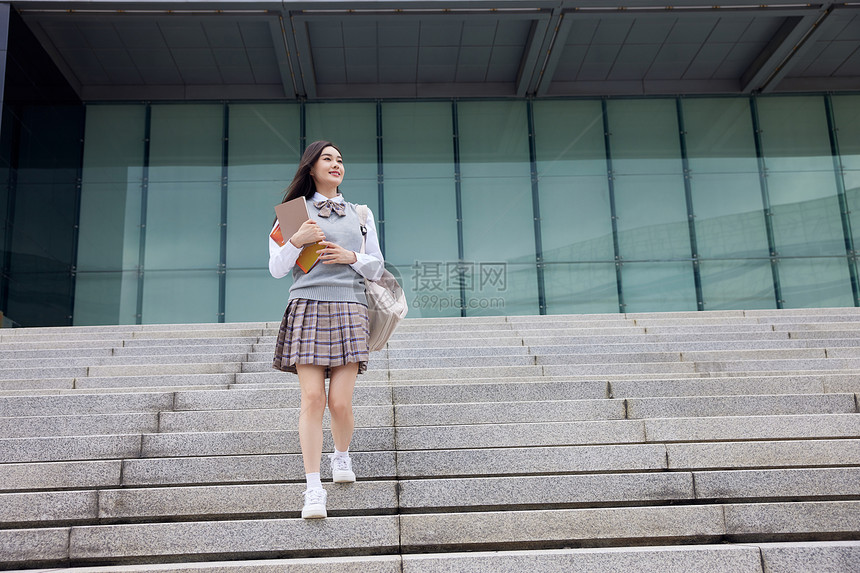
<point>483,207</point>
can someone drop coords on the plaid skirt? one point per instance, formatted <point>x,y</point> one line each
<point>323,333</point>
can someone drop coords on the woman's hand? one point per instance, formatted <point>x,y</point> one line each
<point>308,233</point>
<point>336,254</point>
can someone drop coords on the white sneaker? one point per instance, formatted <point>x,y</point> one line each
<point>341,469</point>
<point>314,504</point>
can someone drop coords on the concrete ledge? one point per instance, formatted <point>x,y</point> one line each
<point>520,435</point>
<point>483,529</point>
<point>827,557</point>
<point>508,412</point>
<point>753,428</point>
<point>830,483</point>
<point>233,538</point>
<point>247,399</point>
<point>263,420</point>
<point>711,558</point>
<point>536,492</point>
<point>246,469</point>
<point>748,405</point>
<point>53,507</point>
<point>57,475</point>
<point>82,404</point>
<point>533,460</point>
<point>146,383</point>
<point>265,500</point>
<point>492,391</point>
<point>70,448</point>
<point>373,564</point>
<point>723,386</point>
<point>34,546</point>
<point>769,521</point>
<point>739,455</point>
<point>272,442</point>
<point>86,425</point>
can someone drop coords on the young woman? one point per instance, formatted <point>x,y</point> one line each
<point>325,327</point>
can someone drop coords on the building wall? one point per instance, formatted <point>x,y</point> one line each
<point>40,162</point>
<point>483,207</point>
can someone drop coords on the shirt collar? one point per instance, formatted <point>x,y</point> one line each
<point>320,197</point>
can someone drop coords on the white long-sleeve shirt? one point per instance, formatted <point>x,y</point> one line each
<point>369,264</point>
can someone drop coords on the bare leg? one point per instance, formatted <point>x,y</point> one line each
<point>312,382</point>
<point>340,404</point>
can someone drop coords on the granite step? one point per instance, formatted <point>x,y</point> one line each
<point>801,557</point>
<point>549,528</point>
<point>604,526</point>
<point>516,434</point>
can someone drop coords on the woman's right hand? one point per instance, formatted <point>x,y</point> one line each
<point>308,233</point>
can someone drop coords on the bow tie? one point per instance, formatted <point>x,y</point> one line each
<point>326,207</point>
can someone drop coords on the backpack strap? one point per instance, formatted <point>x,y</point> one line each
<point>362,218</point>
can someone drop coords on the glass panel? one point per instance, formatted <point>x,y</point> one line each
<point>846,111</point>
<point>252,295</point>
<point>658,287</point>
<point>180,297</point>
<point>576,220</point>
<point>581,288</point>
<point>109,236</point>
<point>652,217</point>
<point>720,135</point>
<point>729,216</point>
<point>794,133</point>
<point>803,192</point>
<point>183,220</point>
<point>184,202</point>
<point>430,291</point>
<point>417,140</point>
<point>106,297</point>
<point>352,127</point>
<point>264,142</point>
<point>806,226</point>
<point>497,205</point>
<point>183,226</point>
<point>649,184</point>
<point>734,284</point>
<point>811,283</point>
<point>644,136</point>
<point>420,197</point>
<point>569,138</point>
<point>262,159</point>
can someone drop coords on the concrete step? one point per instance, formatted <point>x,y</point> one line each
<point>132,362</point>
<point>189,503</point>
<point>680,523</point>
<point>153,444</point>
<point>567,491</point>
<point>728,428</point>
<point>800,557</point>
<point>479,530</point>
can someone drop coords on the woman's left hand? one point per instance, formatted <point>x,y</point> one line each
<point>336,254</point>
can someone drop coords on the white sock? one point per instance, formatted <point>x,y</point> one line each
<point>340,454</point>
<point>314,480</point>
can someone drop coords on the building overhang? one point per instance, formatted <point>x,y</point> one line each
<point>340,49</point>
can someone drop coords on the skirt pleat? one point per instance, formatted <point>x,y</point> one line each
<point>323,333</point>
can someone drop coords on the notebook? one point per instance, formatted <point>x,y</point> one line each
<point>291,216</point>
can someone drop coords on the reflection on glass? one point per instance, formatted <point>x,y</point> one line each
<point>498,220</point>
<point>498,272</point>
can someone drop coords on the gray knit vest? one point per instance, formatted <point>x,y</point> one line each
<point>332,282</point>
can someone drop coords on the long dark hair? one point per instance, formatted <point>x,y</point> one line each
<point>303,183</point>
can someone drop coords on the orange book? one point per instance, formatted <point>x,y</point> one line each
<point>309,257</point>
<point>277,236</point>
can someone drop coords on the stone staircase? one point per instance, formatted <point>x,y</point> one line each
<point>710,441</point>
